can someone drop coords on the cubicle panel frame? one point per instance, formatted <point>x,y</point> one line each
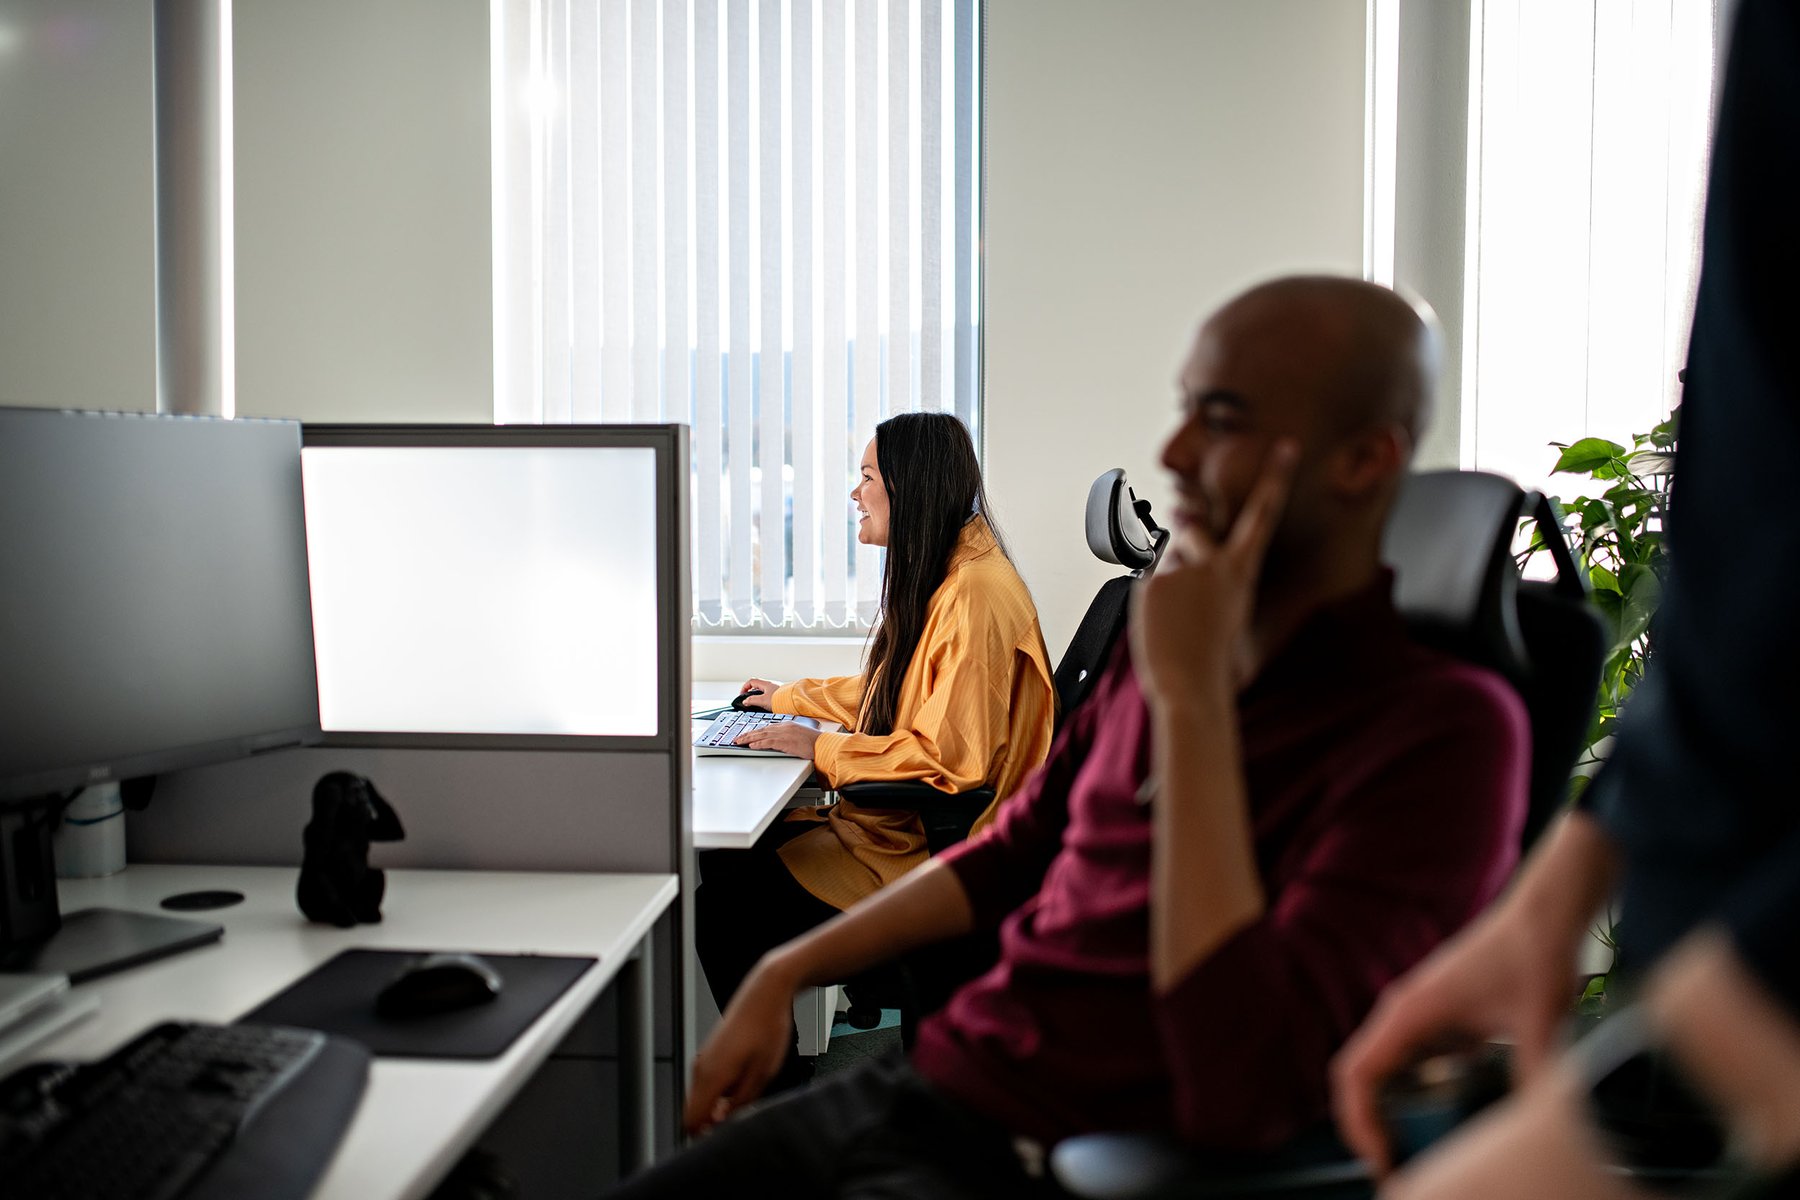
<point>674,650</point>
<point>252,810</point>
<point>674,606</point>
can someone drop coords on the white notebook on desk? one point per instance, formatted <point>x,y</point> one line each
<point>721,733</point>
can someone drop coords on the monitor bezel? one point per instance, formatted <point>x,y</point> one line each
<point>26,789</point>
<point>669,441</point>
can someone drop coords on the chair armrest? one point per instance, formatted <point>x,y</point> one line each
<point>946,816</point>
<point>1143,1166</point>
<point>913,794</point>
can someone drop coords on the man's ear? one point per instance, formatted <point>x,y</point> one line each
<point>1366,461</point>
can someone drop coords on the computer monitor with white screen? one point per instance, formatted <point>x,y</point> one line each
<point>477,585</point>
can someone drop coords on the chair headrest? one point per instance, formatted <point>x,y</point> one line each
<point>1119,527</point>
<point>1449,540</point>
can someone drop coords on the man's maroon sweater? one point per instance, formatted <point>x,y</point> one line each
<point>1387,787</point>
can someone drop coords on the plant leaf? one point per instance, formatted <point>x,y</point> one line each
<point>1594,517</point>
<point>1588,455</point>
<point>1628,492</point>
<point>1643,592</point>
<point>1651,462</point>
<point>1612,609</point>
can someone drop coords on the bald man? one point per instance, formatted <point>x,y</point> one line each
<point>1272,804</point>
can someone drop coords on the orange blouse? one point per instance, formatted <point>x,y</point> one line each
<point>975,710</point>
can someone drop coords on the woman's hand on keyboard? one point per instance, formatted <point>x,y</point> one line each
<point>789,737</point>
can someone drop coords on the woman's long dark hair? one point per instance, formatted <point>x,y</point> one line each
<point>933,482</point>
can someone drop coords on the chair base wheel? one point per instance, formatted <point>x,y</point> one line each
<point>862,1016</point>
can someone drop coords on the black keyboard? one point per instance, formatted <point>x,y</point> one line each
<point>183,1110</point>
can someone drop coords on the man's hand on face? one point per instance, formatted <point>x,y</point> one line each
<point>1190,620</point>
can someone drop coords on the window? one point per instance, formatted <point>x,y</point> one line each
<point>1588,145</point>
<point>756,216</point>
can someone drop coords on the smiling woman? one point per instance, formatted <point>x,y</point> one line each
<point>956,691</point>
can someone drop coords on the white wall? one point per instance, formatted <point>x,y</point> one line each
<point>363,259</point>
<point>77,269</point>
<point>1146,160</point>
<point>363,231</point>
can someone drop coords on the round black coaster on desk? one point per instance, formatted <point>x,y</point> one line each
<point>201,901</point>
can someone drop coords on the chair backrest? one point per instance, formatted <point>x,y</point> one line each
<point>1449,541</point>
<point>1120,530</point>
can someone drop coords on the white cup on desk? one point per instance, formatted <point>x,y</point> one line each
<point>90,840</point>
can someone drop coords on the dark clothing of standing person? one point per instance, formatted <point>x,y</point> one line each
<point>1700,793</point>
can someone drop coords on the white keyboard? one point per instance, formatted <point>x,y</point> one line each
<point>721,734</point>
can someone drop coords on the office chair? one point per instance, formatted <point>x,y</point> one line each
<point>1120,530</point>
<point>1449,541</point>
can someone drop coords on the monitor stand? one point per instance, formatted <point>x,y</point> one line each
<point>34,936</point>
<point>27,875</point>
<point>98,941</point>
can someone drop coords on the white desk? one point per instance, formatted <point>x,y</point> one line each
<point>417,1117</point>
<point>736,798</point>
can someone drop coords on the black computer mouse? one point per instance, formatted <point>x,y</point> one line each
<point>439,983</point>
<point>738,703</point>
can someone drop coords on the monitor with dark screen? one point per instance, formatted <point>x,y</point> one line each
<point>154,610</point>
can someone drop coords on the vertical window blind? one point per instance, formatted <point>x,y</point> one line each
<point>1589,130</point>
<point>756,216</point>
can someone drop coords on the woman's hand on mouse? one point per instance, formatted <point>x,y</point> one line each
<point>789,737</point>
<point>765,688</point>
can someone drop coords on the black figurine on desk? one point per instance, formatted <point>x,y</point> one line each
<point>337,884</point>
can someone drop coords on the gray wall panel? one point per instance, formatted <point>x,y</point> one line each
<point>471,809</point>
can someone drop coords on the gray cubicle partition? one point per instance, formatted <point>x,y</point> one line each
<point>552,803</point>
<point>495,810</point>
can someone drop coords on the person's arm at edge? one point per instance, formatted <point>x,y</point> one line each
<point>1728,1035</point>
<point>1734,1040</point>
<point>746,1049</point>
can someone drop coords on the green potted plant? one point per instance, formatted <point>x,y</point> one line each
<point>1618,538</point>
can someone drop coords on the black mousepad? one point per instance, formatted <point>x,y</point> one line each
<point>338,996</point>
